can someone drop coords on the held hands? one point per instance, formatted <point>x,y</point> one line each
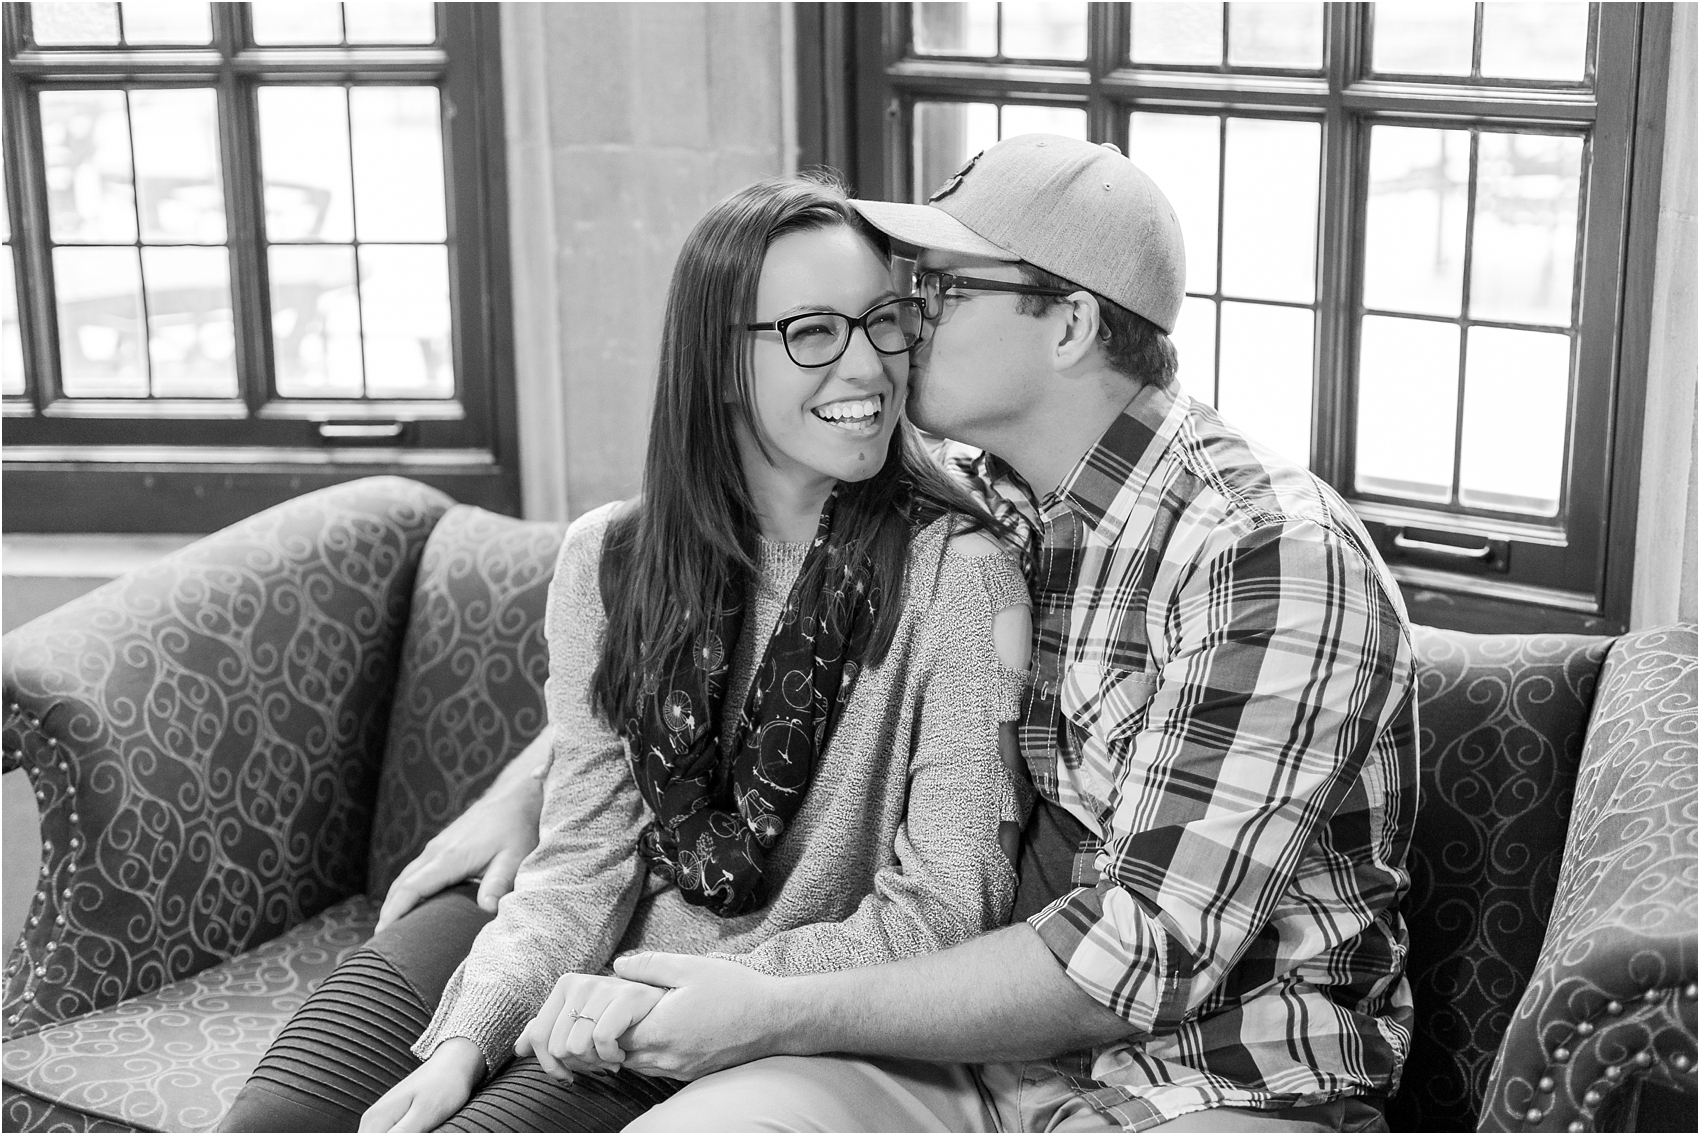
<point>579,1028</point>
<point>715,1014</point>
<point>434,1091</point>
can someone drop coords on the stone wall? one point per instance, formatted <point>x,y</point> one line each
<point>624,122</point>
<point>1665,527</point>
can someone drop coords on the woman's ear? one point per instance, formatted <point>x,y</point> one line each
<point>1079,329</point>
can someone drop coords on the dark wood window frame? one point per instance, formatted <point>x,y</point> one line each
<point>858,83</point>
<point>67,469</point>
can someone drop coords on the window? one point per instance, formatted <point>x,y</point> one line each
<point>1411,233</point>
<point>251,249</point>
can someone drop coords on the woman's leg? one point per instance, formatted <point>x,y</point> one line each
<point>351,1041</point>
<point>522,1097</point>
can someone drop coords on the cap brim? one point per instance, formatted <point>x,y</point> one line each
<point>926,227</point>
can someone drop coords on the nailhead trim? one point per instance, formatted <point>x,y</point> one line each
<point>1612,1073</point>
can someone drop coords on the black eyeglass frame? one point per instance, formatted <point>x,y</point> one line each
<point>853,321</point>
<point>949,280</point>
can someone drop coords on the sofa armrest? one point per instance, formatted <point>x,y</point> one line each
<point>1611,1005</point>
<point>203,739</point>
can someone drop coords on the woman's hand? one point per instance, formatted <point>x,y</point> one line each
<point>434,1091</point>
<point>580,1026</point>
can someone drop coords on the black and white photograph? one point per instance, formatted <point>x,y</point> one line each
<point>1042,566</point>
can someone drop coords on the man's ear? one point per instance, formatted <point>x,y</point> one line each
<point>1078,332</point>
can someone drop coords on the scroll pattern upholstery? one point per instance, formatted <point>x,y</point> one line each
<point>471,681</point>
<point>1502,720</point>
<point>203,736</point>
<point>20,1111</point>
<point>173,1060</point>
<point>1613,995</point>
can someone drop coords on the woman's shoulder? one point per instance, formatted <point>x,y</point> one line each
<point>589,528</point>
<point>576,568</point>
<point>970,562</point>
<point>583,543</point>
<point>980,591</point>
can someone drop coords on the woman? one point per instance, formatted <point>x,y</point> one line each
<point>780,715</point>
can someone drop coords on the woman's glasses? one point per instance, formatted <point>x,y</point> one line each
<point>820,338</point>
<point>933,286</point>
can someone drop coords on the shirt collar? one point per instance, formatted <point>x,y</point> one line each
<point>1103,483</point>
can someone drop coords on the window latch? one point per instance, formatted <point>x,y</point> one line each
<point>361,431</point>
<point>1405,544</point>
<point>1416,548</point>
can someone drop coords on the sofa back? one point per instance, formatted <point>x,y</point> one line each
<point>202,739</point>
<point>1503,719</point>
<point>469,695</point>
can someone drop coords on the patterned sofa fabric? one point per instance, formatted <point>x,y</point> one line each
<point>174,1059</point>
<point>1502,720</point>
<point>203,738</point>
<point>1613,999</point>
<point>470,690</point>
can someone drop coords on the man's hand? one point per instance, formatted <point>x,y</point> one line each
<point>434,1091</point>
<point>491,838</point>
<point>580,1026</point>
<point>715,1014</point>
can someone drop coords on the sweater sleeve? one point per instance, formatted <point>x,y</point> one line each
<point>576,892</point>
<point>952,879</point>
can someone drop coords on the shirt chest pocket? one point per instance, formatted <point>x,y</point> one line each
<point>1105,701</point>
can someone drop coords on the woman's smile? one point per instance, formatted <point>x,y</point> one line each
<point>859,417</point>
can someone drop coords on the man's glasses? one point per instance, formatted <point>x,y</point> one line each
<point>820,338</point>
<point>932,286</point>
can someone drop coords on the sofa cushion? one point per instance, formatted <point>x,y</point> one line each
<point>1502,720</point>
<point>173,1060</point>
<point>203,738</point>
<point>469,695</point>
<point>24,1112</point>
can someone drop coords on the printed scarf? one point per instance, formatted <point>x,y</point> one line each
<point>717,818</point>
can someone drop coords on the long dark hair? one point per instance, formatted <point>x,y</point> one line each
<point>675,552</point>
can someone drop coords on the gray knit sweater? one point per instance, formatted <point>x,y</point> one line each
<point>894,852</point>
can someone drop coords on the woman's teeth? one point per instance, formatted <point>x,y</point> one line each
<point>858,414</point>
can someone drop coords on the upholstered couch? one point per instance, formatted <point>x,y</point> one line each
<point>235,751</point>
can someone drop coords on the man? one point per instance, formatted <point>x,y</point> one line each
<point>1221,728</point>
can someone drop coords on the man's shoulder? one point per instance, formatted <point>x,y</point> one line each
<point>1247,481</point>
<point>1236,494</point>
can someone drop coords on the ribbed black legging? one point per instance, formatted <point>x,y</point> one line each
<point>351,1042</point>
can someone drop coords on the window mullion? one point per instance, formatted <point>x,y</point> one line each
<point>37,317</point>
<point>1341,235</point>
<point>245,210</point>
<point>1106,40</point>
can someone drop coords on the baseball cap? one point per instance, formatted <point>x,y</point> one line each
<point>1081,211</point>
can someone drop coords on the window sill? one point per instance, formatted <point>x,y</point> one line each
<point>42,572</point>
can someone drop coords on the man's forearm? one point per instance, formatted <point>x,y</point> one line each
<point>525,772</point>
<point>1001,996</point>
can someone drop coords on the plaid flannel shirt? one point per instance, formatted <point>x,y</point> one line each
<point>1224,690</point>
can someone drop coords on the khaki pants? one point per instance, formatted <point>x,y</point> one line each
<point>842,1093</point>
